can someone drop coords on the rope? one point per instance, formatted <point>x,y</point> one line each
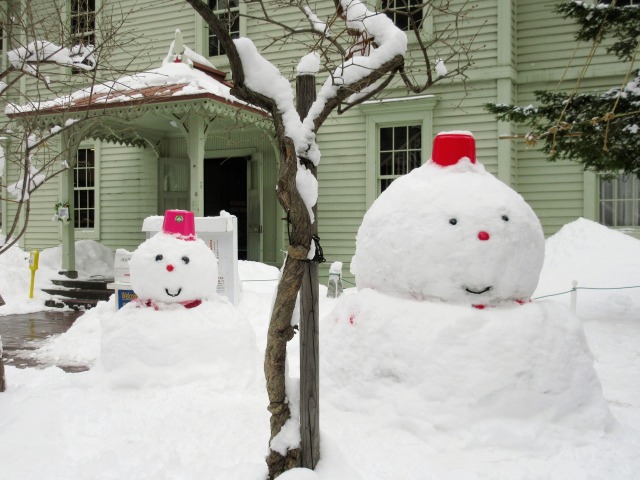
<point>585,288</point>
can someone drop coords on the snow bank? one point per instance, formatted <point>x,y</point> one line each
<point>93,260</point>
<point>595,256</point>
<point>435,381</point>
<point>141,346</point>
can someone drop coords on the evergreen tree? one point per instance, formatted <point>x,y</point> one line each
<point>601,130</point>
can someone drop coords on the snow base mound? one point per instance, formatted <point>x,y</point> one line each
<point>144,347</point>
<point>498,376</point>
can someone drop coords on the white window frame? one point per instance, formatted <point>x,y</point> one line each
<point>202,35</point>
<point>408,29</point>
<point>415,110</point>
<point>98,8</point>
<point>91,233</point>
<point>616,200</point>
<point>405,126</point>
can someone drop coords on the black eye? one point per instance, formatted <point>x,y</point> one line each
<point>453,221</point>
<point>505,218</point>
<point>159,257</point>
<point>185,259</point>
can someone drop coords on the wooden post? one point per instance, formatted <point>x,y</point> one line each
<point>3,383</point>
<point>67,195</point>
<point>309,331</point>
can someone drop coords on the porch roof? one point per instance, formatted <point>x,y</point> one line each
<point>134,109</point>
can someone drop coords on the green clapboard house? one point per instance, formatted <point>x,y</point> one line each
<point>207,153</point>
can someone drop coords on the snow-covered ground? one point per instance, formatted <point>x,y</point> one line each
<point>148,409</point>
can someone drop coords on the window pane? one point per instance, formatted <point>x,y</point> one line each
<point>400,138</point>
<point>415,137</point>
<point>386,164</point>
<point>385,183</point>
<point>606,213</point>
<point>400,163</point>
<point>415,160</point>
<point>625,187</point>
<point>606,189</point>
<point>386,139</point>
<point>623,213</point>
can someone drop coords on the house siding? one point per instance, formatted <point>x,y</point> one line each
<point>522,46</point>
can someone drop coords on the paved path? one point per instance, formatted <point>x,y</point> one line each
<point>22,333</point>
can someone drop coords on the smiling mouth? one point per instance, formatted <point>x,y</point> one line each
<point>173,294</point>
<point>478,292</point>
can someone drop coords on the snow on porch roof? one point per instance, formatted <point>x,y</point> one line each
<point>173,82</point>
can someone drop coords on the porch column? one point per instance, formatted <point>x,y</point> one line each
<point>67,196</point>
<point>196,138</point>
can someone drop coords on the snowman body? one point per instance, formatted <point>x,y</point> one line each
<point>453,233</point>
<point>167,269</point>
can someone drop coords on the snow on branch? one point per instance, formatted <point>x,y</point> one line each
<point>386,42</point>
<point>42,51</point>
<point>317,24</point>
<point>21,191</point>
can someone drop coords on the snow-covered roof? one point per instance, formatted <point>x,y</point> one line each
<point>172,82</point>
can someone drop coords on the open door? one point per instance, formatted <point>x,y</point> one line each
<point>254,207</point>
<point>173,184</point>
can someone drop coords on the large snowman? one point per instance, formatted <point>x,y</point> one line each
<point>179,330</point>
<point>408,349</point>
<point>450,230</point>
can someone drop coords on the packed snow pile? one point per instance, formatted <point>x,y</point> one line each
<point>212,342</point>
<point>603,262</point>
<point>93,260</point>
<point>509,376</point>
<point>451,231</point>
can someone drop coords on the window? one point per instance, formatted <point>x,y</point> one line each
<point>404,13</point>
<point>82,24</point>
<point>229,13</point>
<point>398,135</point>
<point>84,189</point>
<point>399,152</point>
<point>620,201</point>
<point>82,18</point>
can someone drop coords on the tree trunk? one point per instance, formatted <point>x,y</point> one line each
<point>280,328</point>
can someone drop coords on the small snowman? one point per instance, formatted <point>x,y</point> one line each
<point>174,267</point>
<point>173,342</point>
<point>450,231</point>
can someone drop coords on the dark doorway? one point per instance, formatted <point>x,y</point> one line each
<point>225,188</point>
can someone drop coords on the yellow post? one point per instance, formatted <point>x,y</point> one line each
<point>33,266</point>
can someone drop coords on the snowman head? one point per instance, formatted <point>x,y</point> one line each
<point>174,266</point>
<point>450,230</point>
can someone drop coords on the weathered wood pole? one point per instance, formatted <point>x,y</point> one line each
<point>3,383</point>
<point>309,331</point>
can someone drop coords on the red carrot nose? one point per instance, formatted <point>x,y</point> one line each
<point>483,235</point>
<point>169,268</point>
